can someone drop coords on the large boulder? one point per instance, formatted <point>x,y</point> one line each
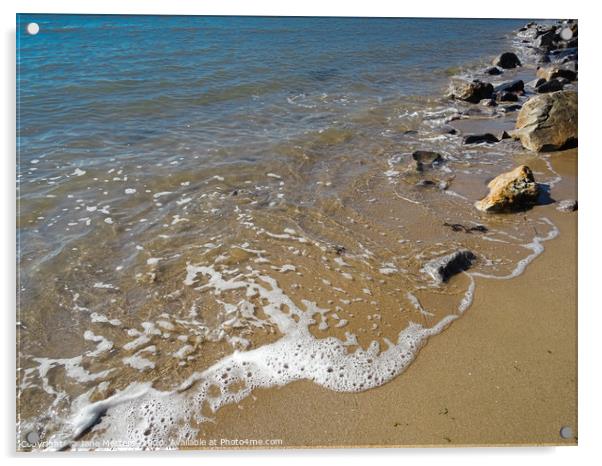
<point>548,122</point>
<point>507,60</point>
<point>471,91</point>
<point>510,191</point>
<point>444,267</point>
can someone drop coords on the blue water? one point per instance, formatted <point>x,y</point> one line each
<point>105,82</point>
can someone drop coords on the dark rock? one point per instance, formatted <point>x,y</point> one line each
<point>545,40</point>
<point>508,97</point>
<point>461,228</point>
<point>410,132</point>
<point>507,60</point>
<point>568,205</point>
<point>424,159</point>
<point>471,91</point>
<point>536,82</point>
<point>479,138</point>
<point>550,86</point>
<point>510,86</point>
<point>447,129</point>
<point>443,268</point>
<point>493,71</point>
<point>511,108</point>
<point>425,183</point>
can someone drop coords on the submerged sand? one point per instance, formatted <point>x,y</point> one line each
<point>503,374</point>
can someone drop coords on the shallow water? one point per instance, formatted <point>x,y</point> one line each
<point>209,205</point>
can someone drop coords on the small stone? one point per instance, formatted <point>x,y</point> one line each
<point>493,71</point>
<point>568,205</point>
<point>443,268</point>
<point>424,159</point>
<point>479,138</point>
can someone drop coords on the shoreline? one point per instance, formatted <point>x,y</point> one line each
<point>466,384</point>
<point>522,390</point>
<point>394,414</point>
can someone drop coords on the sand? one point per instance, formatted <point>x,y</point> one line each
<point>503,374</point>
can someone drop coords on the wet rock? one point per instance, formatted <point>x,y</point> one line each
<point>510,191</point>
<point>493,71</point>
<point>552,85</point>
<point>447,129</point>
<point>479,138</point>
<point>536,82</point>
<point>568,205</point>
<point>462,228</point>
<point>424,159</point>
<point>488,103</point>
<point>508,97</point>
<point>548,122</point>
<point>507,60</point>
<point>445,267</point>
<point>510,86</point>
<point>471,91</point>
<point>511,108</point>
<point>545,40</point>
<point>410,132</point>
<point>553,71</point>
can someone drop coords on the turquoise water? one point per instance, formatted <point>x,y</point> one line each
<point>100,86</point>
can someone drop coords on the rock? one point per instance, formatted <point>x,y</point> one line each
<point>545,40</point>
<point>443,268</point>
<point>425,183</point>
<point>536,82</point>
<point>508,97</point>
<point>479,138</point>
<point>568,205</point>
<point>548,122</point>
<point>471,91</point>
<point>552,85</point>
<point>447,129</point>
<point>488,103</point>
<point>507,60</point>
<point>511,108</point>
<point>424,159</point>
<point>510,191</point>
<point>551,72</point>
<point>510,86</point>
<point>465,229</point>
<point>493,71</point>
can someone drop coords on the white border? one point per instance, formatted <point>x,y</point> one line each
<point>590,170</point>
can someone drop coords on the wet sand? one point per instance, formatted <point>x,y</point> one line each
<point>503,374</point>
